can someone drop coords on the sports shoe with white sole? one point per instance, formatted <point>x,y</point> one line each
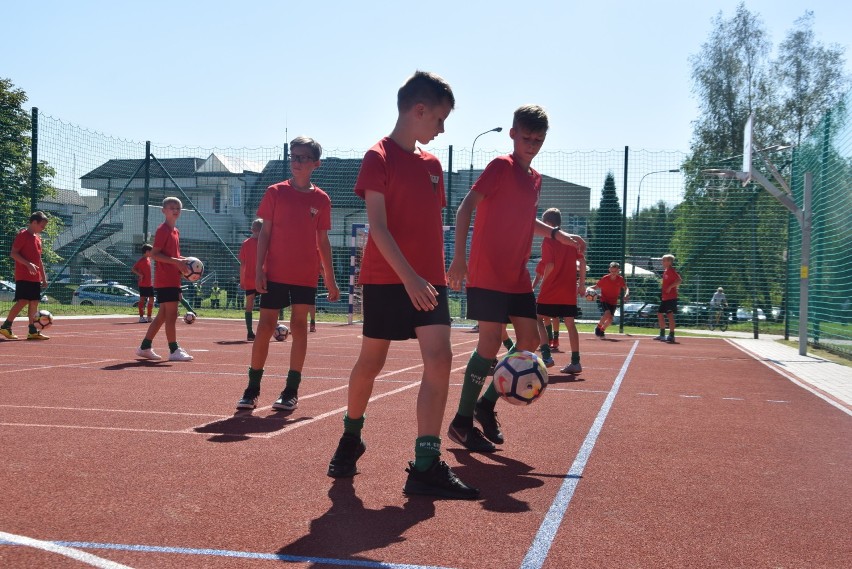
<point>148,354</point>
<point>249,400</point>
<point>288,401</point>
<point>180,355</point>
<point>572,369</point>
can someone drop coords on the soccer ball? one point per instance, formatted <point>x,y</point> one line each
<point>520,377</point>
<point>189,317</point>
<point>281,333</point>
<point>591,293</point>
<point>43,319</point>
<point>196,268</point>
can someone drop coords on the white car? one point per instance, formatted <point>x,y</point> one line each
<point>105,294</point>
<point>7,292</point>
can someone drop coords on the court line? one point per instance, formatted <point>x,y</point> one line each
<point>44,367</point>
<point>537,553</point>
<point>63,550</point>
<point>239,554</point>
<point>113,410</point>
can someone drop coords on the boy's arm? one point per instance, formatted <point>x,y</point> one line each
<point>262,248</point>
<point>420,291</point>
<point>158,255</point>
<point>327,265</point>
<point>581,281</point>
<point>31,267</point>
<point>458,268</point>
<point>544,230</point>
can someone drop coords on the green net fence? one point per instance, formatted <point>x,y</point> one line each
<point>632,205</point>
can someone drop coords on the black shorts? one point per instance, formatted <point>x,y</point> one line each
<point>667,306</point>
<point>390,315</point>
<point>146,291</point>
<point>606,306</point>
<point>493,306</point>
<point>27,290</point>
<point>557,310</point>
<point>250,292</point>
<point>280,295</point>
<point>168,294</point>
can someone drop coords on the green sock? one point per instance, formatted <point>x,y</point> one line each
<point>545,352</point>
<point>510,345</point>
<point>7,325</point>
<point>32,329</point>
<point>294,378</point>
<point>556,335</point>
<point>474,376</point>
<point>186,305</point>
<point>248,322</point>
<point>490,395</point>
<point>255,375</point>
<point>575,357</point>
<point>426,451</point>
<point>146,344</point>
<point>549,329</point>
<point>173,346</point>
<point>353,426</point>
<point>662,332</point>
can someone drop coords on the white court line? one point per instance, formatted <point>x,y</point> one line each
<point>70,552</point>
<point>41,368</point>
<point>113,410</point>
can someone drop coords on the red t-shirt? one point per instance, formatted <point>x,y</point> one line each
<point>560,286</point>
<point>413,187</point>
<point>248,259</point>
<point>504,227</point>
<point>611,288</point>
<point>669,276</point>
<point>295,218</point>
<point>143,266</point>
<point>167,242</point>
<point>29,246</point>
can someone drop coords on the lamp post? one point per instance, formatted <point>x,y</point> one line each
<point>639,191</point>
<point>472,146</point>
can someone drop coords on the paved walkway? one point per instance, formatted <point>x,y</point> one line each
<point>824,378</point>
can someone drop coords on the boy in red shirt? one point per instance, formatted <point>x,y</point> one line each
<point>668,304</point>
<point>499,289</point>
<point>296,218</point>
<point>558,295</point>
<point>248,265</point>
<point>170,266</point>
<point>405,284</point>
<point>29,276</point>
<point>610,286</point>
<point>142,270</point>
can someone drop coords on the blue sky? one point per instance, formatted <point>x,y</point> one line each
<point>237,74</point>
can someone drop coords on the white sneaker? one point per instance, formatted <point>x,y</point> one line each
<point>142,320</point>
<point>180,355</point>
<point>148,319</point>
<point>572,368</point>
<point>148,354</point>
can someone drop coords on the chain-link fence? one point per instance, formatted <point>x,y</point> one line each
<point>632,205</point>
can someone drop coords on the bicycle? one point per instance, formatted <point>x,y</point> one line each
<point>718,318</point>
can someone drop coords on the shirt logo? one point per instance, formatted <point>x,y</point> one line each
<point>314,212</point>
<point>435,180</point>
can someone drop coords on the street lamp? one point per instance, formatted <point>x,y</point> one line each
<point>639,191</point>
<point>472,146</point>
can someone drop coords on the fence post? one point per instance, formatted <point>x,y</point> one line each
<point>146,236</point>
<point>34,162</point>
<point>623,238</point>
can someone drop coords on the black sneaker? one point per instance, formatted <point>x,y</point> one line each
<point>438,480</point>
<point>249,400</point>
<point>598,332</point>
<point>490,425</point>
<point>471,439</point>
<point>250,337</point>
<point>670,340</point>
<point>288,401</point>
<point>349,450</point>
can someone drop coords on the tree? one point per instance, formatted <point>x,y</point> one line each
<point>15,185</point>
<point>605,242</point>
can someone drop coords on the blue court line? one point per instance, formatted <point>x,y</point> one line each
<point>239,554</point>
<point>537,553</point>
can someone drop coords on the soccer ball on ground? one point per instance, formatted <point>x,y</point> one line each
<point>196,268</point>
<point>592,293</point>
<point>520,377</point>
<point>281,333</point>
<point>43,319</point>
<point>189,317</point>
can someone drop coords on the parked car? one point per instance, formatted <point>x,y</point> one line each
<point>745,314</point>
<point>693,314</point>
<point>105,294</point>
<point>7,292</point>
<point>637,314</point>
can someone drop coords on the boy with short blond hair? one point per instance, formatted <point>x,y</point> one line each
<point>142,270</point>
<point>29,276</point>
<point>499,289</point>
<point>405,284</point>
<point>169,267</point>
<point>296,218</point>
<point>668,299</point>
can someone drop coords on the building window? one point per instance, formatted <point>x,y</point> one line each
<point>236,197</point>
